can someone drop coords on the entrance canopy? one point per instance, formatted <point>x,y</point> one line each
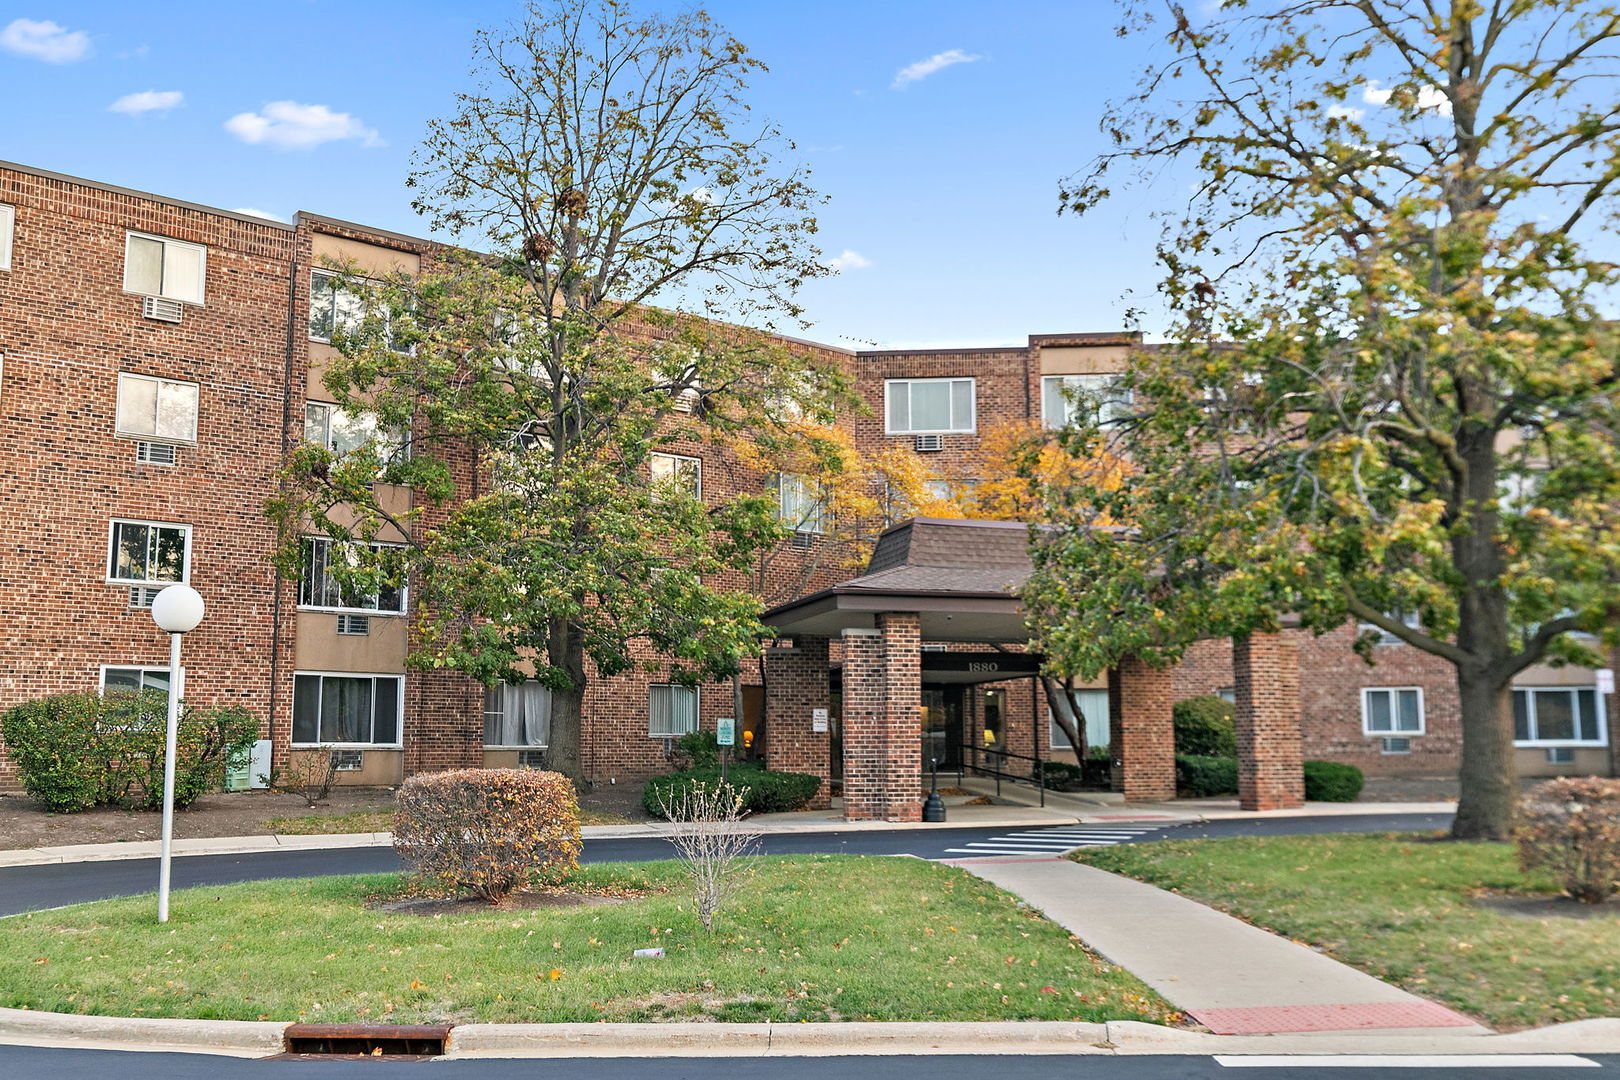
<point>959,577</point>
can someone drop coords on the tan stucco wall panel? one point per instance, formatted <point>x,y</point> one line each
<point>373,260</point>
<point>378,768</point>
<point>321,648</point>
<point>1073,360</point>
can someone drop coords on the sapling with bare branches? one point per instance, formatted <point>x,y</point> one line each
<point>711,836</point>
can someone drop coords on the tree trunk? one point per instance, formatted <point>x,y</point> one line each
<point>1488,777</point>
<point>1066,715</point>
<point>567,651</point>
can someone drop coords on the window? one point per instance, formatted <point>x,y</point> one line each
<point>338,305</point>
<point>1059,404</point>
<point>1406,618</point>
<point>1557,715</point>
<point>1093,706</point>
<point>8,228</point>
<point>134,678</point>
<point>357,710</point>
<point>929,406</point>
<point>159,267</point>
<point>155,409</point>
<point>684,473</point>
<point>343,432</point>
<point>319,589</point>
<point>671,710</point>
<point>1392,711</point>
<point>799,505</point>
<point>148,553</point>
<point>517,716</point>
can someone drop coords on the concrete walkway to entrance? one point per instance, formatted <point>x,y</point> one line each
<point>1233,978</point>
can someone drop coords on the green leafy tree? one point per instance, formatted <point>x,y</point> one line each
<point>1394,390</point>
<point>608,168</point>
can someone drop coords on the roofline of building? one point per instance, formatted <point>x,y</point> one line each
<point>47,174</point>
<point>369,230</point>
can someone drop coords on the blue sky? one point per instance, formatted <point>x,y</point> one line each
<point>944,189</point>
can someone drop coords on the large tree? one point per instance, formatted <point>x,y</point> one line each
<point>1392,397</point>
<point>620,198</point>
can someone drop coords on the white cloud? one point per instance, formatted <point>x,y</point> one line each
<point>1428,97</point>
<point>1346,112</point>
<point>45,41</point>
<point>849,260</point>
<point>291,126</point>
<point>923,68</point>
<point>252,212</point>
<point>147,101</point>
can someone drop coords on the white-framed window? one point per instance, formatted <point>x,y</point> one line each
<point>124,677</point>
<point>339,304</point>
<point>1558,716</point>
<point>799,505</point>
<point>684,473</point>
<point>148,552</point>
<point>156,410</point>
<point>929,406</point>
<point>344,709</point>
<point>517,717</point>
<point>342,432</point>
<point>1059,404</point>
<point>671,710</point>
<point>1392,710</point>
<point>1406,618</point>
<point>158,266</point>
<point>1093,705</point>
<point>320,589</point>
<point>8,229</point>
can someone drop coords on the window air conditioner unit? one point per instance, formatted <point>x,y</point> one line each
<point>928,444</point>
<point>1397,746</point>
<point>358,625</point>
<point>152,453</point>
<point>162,309</point>
<point>349,760</point>
<point>141,596</point>
<point>1560,755</point>
<point>531,759</point>
<point>804,541</point>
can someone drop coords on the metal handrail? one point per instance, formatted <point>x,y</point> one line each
<point>970,757</point>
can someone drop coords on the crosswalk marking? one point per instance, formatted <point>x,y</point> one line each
<point>1404,1061</point>
<point>1056,840</point>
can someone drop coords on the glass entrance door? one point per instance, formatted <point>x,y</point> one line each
<point>942,727</point>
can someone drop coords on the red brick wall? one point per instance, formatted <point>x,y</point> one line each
<point>1270,775</point>
<point>881,720</point>
<point>1139,728</point>
<point>796,685</point>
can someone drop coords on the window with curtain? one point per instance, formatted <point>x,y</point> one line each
<point>1093,706</point>
<point>1557,716</point>
<point>1063,395</point>
<point>1392,710</point>
<point>320,589</point>
<point>929,406</point>
<point>672,710</point>
<point>158,266</point>
<point>799,505</point>
<point>517,716</point>
<point>361,710</point>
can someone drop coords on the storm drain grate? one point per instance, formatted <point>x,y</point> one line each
<point>365,1040</point>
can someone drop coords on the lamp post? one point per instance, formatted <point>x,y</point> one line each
<point>177,610</point>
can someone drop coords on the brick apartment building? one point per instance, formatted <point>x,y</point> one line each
<point>159,358</point>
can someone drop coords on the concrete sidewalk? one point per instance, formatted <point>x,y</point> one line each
<point>1233,978</point>
<point>1102,806</point>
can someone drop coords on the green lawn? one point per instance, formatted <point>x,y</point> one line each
<point>810,938</point>
<point>1399,908</point>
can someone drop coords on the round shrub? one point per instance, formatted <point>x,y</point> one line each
<point>487,831</point>
<point>75,751</point>
<point>1570,827</point>
<point>1200,776</point>
<point>1332,781</point>
<point>1204,727</point>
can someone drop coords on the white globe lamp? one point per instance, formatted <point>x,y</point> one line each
<point>177,610</point>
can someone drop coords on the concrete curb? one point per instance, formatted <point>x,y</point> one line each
<point>260,1039</point>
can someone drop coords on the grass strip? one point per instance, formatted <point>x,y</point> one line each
<point>1401,908</point>
<point>809,938</point>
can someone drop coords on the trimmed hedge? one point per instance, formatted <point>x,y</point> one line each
<point>487,831</point>
<point>1201,776</point>
<point>762,791</point>
<point>75,751</point>
<point>1332,781</point>
<point>1205,727</point>
<point>1092,772</point>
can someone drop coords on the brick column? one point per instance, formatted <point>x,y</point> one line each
<point>1270,768</point>
<point>1142,741</point>
<point>796,682</point>
<point>882,732</point>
